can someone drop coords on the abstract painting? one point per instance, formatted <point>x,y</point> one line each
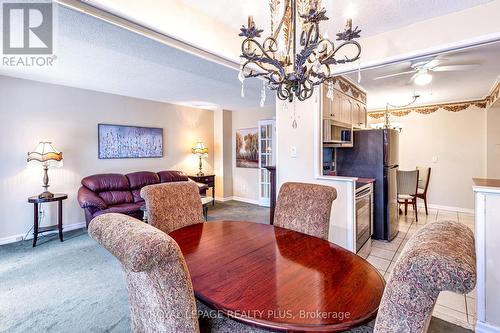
<point>247,148</point>
<point>118,141</point>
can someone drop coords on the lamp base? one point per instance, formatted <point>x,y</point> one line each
<point>46,195</point>
<point>200,174</point>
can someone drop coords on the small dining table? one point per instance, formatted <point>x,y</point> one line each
<point>279,279</point>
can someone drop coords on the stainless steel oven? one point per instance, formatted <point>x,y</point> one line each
<point>364,215</point>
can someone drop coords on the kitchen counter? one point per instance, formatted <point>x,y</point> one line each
<point>486,183</point>
<point>366,180</point>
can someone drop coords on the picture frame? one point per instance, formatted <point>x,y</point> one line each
<point>126,141</point>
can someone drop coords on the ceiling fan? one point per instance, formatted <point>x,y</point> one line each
<point>422,70</point>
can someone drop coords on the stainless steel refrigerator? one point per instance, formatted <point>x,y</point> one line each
<point>376,155</point>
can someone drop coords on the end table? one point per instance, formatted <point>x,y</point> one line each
<point>35,200</point>
<point>209,180</point>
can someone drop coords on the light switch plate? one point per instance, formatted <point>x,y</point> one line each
<point>293,151</point>
<point>434,159</point>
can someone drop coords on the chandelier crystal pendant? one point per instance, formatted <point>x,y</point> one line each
<point>276,58</point>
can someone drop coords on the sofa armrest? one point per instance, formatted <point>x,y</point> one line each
<point>88,199</point>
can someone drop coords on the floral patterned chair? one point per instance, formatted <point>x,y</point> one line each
<point>171,206</point>
<point>305,208</point>
<point>161,297</point>
<point>439,257</point>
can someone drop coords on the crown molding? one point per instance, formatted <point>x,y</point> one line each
<point>452,107</point>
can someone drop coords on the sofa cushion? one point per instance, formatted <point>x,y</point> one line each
<point>106,182</point>
<point>172,176</point>
<point>125,208</point>
<point>138,180</point>
<point>116,197</point>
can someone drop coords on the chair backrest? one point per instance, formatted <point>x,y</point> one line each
<point>305,208</point>
<point>439,257</point>
<point>424,175</point>
<point>171,206</point>
<point>161,297</point>
<point>407,182</point>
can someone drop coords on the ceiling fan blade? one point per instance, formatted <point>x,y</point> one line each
<point>454,68</point>
<point>392,75</point>
<point>410,81</point>
<point>433,63</point>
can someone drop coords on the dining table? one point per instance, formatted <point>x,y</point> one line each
<point>279,279</point>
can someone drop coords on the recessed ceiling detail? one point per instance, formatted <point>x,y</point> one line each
<point>97,55</point>
<point>478,70</point>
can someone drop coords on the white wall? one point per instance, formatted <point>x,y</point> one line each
<point>457,140</point>
<point>246,180</point>
<point>31,111</point>
<point>306,139</point>
<point>435,34</point>
<point>223,147</point>
<point>493,141</point>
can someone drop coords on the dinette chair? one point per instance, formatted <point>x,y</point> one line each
<point>305,208</point>
<point>439,257</point>
<point>407,183</point>
<point>424,175</point>
<point>159,287</point>
<point>171,206</point>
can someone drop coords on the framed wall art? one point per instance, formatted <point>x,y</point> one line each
<point>119,141</point>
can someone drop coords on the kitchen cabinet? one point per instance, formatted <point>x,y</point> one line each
<point>342,113</point>
<point>359,115</point>
<point>344,108</point>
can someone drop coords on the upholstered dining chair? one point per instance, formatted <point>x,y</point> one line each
<point>438,257</point>
<point>161,297</point>
<point>305,208</point>
<point>407,183</point>
<point>424,176</point>
<point>171,206</point>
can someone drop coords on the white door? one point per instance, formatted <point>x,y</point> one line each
<point>267,144</point>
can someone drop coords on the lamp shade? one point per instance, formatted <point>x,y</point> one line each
<point>199,148</point>
<point>44,152</point>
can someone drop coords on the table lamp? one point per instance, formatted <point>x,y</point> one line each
<point>200,150</point>
<point>45,153</point>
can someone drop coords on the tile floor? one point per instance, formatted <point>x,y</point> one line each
<point>451,307</point>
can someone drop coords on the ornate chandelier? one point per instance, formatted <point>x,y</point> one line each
<point>276,58</point>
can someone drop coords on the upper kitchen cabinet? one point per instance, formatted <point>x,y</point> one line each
<point>347,104</point>
<point>359,115</point>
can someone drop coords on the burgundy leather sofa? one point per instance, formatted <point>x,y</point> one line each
<point>117,193</point>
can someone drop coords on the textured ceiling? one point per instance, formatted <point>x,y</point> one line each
<point>373,16</point>
<point>96,55</point>
<point>446,86</point>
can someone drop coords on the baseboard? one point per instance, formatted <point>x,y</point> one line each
<point>11,239</point>
<point>450,208</point>
<point>20,237</point>
<point>246,200</point>
<point>486,328</point>
<point>223,199</point>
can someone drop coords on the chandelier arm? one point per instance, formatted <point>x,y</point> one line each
<point>258,61</point>
<point>270,44</point>
<point>253,41</point>
<point>283,93</point>
<point>330,59</point>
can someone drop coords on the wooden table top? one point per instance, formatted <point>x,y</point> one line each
<point>276,278</point>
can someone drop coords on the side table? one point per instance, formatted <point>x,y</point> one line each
<point>209,180</point>
<point>35,200</point>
